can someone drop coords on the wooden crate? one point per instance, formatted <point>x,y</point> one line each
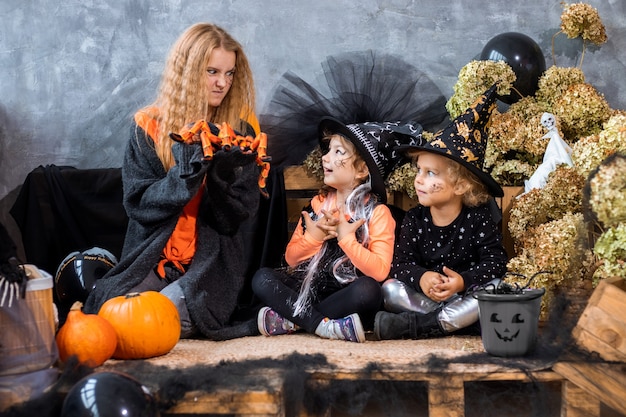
<point>604,382</point>
<point>505,203</point>
<point>601,327</point>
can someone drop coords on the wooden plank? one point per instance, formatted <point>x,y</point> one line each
<point>605,381</point>
<point>488,374</point>
<point>601,327</point>
<point>197,402</point>
<point>446,396</point>
<point>505,203</point>
<point>577,402</point>
<point>228,402</point>
<point>297,178</point>
<point>604,341</point>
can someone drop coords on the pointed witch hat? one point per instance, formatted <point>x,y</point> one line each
<point>377,143</point>
<point>464,140</point>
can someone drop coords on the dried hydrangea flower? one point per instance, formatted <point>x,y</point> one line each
<point>526,212</point>
<point>610,247</point>
<point>528,107</point>
<point>402,179</point>
<point>515,148</point>
<point>534,132</point>
<point>558,248</point>
<point>555,81</point>
<point>562,194</point>
<point>589,152</point>
<point>606,270</point>
<point>607,189</point>
<point>582,111</point>
<point>504,133</point>
<point>512,172</point>
<point>583,20</point>
<point>555,247</point>
<point>474,79</point>
<point>614,133</point>
<point>313,164</point>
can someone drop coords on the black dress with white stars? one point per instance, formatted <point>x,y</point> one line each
<point>471,245</point>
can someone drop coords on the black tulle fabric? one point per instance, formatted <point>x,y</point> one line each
<point>361,86</point>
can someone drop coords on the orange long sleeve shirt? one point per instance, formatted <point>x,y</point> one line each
<point>373,261</point>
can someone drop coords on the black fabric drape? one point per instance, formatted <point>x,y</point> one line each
<point>62,209</point>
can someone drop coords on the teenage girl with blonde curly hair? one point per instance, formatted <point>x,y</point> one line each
<point>187,213</point>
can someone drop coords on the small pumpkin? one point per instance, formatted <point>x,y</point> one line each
<point>147,324</point>
<point>89,337</point>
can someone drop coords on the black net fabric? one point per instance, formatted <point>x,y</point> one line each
<point>357,87</point>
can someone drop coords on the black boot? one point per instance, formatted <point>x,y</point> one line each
<point>407,325</point>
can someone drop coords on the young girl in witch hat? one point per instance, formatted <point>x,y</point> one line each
<point>450,241</point>
<point>342,246</point>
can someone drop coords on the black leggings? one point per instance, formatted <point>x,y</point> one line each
<point>279,291</point>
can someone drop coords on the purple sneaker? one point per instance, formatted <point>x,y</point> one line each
<point>272,324</point>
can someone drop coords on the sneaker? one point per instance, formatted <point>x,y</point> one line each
<point>348,328</point>
<point>273,324</point>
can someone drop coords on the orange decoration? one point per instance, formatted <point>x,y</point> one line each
<point>147,324</point>
<point>89,337</point>
<point>225,139</point>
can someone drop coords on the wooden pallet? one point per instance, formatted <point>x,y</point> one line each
<point>445,366</point>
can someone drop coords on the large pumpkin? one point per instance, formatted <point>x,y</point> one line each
<point>147,324</point>
<point>89,337</point>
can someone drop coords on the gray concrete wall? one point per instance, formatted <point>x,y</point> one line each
<point>73,72</point>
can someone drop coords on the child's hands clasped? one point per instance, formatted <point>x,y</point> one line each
<point>345,227</point>
<point>439,287</point>
<point>330,225</point>
<point>324,228</point>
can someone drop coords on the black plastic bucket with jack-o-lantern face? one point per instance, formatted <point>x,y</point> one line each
<point>509,321</point>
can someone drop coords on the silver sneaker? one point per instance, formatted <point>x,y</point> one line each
<point>348,328</point>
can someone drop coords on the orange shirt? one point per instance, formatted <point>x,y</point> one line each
<point>373,261</point>
<point>181,246</point>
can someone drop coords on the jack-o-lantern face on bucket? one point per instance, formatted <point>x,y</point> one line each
<point>508,330</point>
<point>509,321</point>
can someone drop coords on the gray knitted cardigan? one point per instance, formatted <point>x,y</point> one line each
<point>154,200</point>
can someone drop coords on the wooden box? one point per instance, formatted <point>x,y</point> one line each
<point>602,326</point>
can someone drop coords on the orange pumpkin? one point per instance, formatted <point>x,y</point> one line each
<point>89,337</point>
<point>147,324</point>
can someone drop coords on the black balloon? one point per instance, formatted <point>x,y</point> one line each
<point>78,272</point>
<point>109,394</point>
<point>525,58</point>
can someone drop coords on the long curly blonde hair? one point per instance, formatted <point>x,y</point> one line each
<point>183,97</point>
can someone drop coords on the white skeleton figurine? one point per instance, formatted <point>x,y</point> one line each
<point>557,152</point>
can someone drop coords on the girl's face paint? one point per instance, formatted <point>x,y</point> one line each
<point>432,183</point>
<point>436,187</point>
<point>339,171</point>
